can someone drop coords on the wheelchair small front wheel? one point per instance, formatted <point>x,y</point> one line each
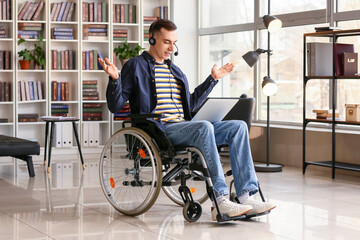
<point>130,171</point>
<point>192,211</point>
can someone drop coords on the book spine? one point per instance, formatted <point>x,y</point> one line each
<point>66,11</point>
<point>56,15</point>
<point>58,92</point>
<point>23,10</point>
<point>8,10</point>
<point>62,60</point>
<point>91,12</point>
<point>95,12</point>
<point>62,9</point>
<point>38,11</point>
<point>95,59</point>
<point>69,16</point>
<point>7,91</point>
<point>99,12</point>
<point>35,89</point>
<point>39,90</point>
<point>33,10</point>
<point>59,60</point>
<point>66,59</point>
<point>71,60</point>
<point>87,62</point>
<point>83,60</point>
<point>1,60</point>
<point>62,91</point>
<point>23,94</point>
<point>7,60</point>
<point>91,60</point>
<point>67,91</point>
<point>27,90</point>
<point>104,16</point>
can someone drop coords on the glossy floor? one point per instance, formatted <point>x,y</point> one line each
<point>69,204</point>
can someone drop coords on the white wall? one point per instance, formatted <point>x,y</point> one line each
<point>184,14</point>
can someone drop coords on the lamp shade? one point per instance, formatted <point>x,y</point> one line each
<point>269,86</point>
<point>272,23</point>
<point>252,57</point>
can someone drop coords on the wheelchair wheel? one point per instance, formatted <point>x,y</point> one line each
<point>192,211</point>
<point>195,182</point>
<point>130,171</point>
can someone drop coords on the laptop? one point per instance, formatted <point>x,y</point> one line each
<point>215,109</point>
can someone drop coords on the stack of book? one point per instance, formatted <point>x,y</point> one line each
<point>5,91</point>
<point>62,60</point>
<point>62,12</point>
<point>4,120</point>
<point>146,35</point>
<point>3,32</point>
<point>5,60</point>
<point>124,13</point>
<point>28,117</point>
<point>59,91</point>
<point>150,19</point>
<point>326,114</point>
<point>162,12</point>
<point>90,90</point>
<point>29,90</point>
<point>5,10</point>
<point>30,10</point>
<point>95,32</point>
<point>92,111</point>
<point>90,60</point>
<point>124,113</point>
<point>60,110</point>
<point>94,12</point>
<point>29,30</point>
<point>120,34</point>
<point>62,33</point>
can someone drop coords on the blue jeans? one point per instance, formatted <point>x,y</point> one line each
<point>206,136</point>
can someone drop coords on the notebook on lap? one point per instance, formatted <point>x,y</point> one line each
<point>215,109</point>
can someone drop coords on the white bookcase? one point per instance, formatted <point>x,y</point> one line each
<point>75,77</point>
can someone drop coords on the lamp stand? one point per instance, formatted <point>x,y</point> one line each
<point>268,167</point>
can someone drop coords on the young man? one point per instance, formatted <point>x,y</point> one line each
<point>153,84</point>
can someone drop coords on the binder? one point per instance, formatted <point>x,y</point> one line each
<point>85,133</point>
<point>67,134</point>
<point>58,134</point>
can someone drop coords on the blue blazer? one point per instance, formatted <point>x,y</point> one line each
<point>136,84</point>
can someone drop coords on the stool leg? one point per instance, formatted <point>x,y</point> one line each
<point>50,143</point>
<point>78,143</point>
<point>46,139</point>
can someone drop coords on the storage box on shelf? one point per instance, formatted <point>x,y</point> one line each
<point>335,76</point>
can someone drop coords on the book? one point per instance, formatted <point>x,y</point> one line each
<point>339,49</point>
<point>23,10</point>
<point>69,16</point>
<point>66,11</point>
<point>61,13</point>
<point>325,29</point>
<point>319,59</point>
<point>350,63</point>
<point>38,11</point>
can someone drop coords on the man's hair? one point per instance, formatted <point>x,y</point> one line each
<point>162,23</point>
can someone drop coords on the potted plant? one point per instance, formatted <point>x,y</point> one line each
<point>26,56</point>
<point>38,55</point>
<point>125,52</point>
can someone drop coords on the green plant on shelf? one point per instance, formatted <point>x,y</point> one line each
<point>124,51</point>
<point>37,55</point>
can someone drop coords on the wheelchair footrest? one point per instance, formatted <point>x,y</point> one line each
<point>224,217</point>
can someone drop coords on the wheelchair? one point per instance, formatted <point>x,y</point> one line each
<point>139,160</point>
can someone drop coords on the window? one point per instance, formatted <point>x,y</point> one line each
<point>348,5</point>
<point>226,12</point>
<point>224,48</point>
<point>286,6</point>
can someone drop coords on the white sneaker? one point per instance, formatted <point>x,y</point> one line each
<point>258,206</point>
<point>230,208</point>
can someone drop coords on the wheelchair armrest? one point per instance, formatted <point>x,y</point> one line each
<point>144,116</point>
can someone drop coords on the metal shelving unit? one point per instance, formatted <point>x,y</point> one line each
<point>333,163</point>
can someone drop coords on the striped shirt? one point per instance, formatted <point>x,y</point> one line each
<point>168,91</point>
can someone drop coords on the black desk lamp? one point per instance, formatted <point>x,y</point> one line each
<point>269,87</point>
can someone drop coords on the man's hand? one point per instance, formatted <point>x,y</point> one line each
<point>109,68</point>
<point>221,72</point>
